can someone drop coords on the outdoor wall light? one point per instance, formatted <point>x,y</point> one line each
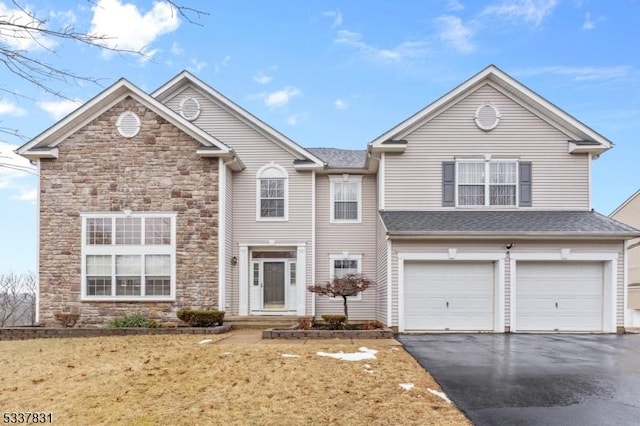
<point>234,260</point>
<point>509,246</point>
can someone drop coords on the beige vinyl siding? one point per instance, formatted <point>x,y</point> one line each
<point>381,271</point>
<point>255,150</point>
<point>414,178</point>
<point>355,238</point>
<point>521,247</point>
<point>630,215</point>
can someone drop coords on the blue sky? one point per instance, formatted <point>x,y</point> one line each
<point>333,73</point>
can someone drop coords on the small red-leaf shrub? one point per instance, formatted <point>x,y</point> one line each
<point>201,318</point>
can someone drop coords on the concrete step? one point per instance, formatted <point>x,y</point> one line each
<point>260,322</point>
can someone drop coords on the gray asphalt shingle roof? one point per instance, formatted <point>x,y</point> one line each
<point>572,223</point>
<point>338,158</point>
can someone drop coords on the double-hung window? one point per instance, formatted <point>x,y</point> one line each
<point>272,193</point>
<point>341,265</point>
<point>346,198</point>
<point>128,256</point>
<point>487,183</point>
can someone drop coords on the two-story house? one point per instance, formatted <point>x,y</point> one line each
<point>474,214</point>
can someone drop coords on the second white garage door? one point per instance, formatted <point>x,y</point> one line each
<point>448,296</point>
<point>559,296</point>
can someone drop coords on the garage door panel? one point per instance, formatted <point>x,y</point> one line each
<point>448,296</point>
<point>559,296</point>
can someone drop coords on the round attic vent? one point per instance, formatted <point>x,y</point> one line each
<point>128,124</point>
<point>190,108</point>
<point>487,116</point>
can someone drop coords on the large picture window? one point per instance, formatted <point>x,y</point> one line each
<point>128,257</point>
<point>487,183</point>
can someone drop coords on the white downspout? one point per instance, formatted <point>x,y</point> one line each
<point>37,316</point>
<point>222,232</point>
<point>313,240</point>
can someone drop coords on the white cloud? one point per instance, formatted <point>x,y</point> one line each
<point>22,39</point>
<point>27,195</point>
<point>296,118</point>
<point>58,109</point>
<point>262,78</point>
<point>336,15</point>
<point>581,73</point>
<point>13,168</point>
<point>454,32</point>
<point>590,23</point>
<point>68,17</point>
<point>341,104</point>
<point>281,97</point>
<point>197,66</point>
<point>218,66</point>
<point>405,50</point>
<point>7,108</point>
<point>454,5</point>
<point>125,27</point>
<point>531,11</point>
<point>176,49</point>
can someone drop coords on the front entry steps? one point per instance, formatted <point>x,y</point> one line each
<point>260,322</point>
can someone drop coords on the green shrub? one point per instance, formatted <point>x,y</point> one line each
<point>335,321</point>
<point>201,318</point>
<point>132,321</point>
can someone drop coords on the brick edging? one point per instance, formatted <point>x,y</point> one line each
<point>24,333</point>
<point>275,333</point>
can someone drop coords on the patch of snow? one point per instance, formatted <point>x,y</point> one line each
<point>407,386</point>
<point>363,354</point>
<point>205,341</point>
<point>367,366</point>
<point>226,353</point>
<point>440,394</point>
<point>290,356</point>
<point>395,349</point>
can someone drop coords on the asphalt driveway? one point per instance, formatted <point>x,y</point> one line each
<point>528,379</point>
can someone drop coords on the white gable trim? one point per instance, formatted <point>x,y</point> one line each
<point>495,75</point>
<point>171,89</point>
<point>105,100</point>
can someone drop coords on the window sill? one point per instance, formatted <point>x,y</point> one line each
<point>272,219</point>
<point>127,299</point>
<point>339,222</point>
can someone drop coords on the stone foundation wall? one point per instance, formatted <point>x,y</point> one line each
<point>98,170</point>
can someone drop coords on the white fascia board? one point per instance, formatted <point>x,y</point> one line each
<point>109,97</point>
<point>494,74</point>
<point>35,154</point>
<point>186,77</point>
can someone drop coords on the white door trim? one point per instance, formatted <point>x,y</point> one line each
<point>244,263</point>
<point>610,293</point>
<point>454,255</point>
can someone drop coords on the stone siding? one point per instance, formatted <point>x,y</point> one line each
<point>98,170</point>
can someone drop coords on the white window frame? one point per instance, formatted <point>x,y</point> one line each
<point>141,250</point>
<point>272,171</point>
<point>487,181</point>
<point>345,178</point>
<point>332,259</point>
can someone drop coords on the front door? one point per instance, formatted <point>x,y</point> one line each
<point>273,286</point>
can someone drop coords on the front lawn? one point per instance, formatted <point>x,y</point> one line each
<point>145,380</point>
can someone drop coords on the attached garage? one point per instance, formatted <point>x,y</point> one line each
<point>559,296</point>
<point>448,295</point>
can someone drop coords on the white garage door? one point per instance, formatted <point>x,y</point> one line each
<point>448,296</point>
<point>561,296</point>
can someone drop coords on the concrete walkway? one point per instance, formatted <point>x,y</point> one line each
<point>249,337</point>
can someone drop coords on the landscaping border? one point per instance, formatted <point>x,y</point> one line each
<point>296,333</point>
<point>24,333</point>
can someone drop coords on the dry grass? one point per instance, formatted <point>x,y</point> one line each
<point>147,380</point>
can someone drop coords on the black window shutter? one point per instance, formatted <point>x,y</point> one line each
<point>525,184</point>
<point>448,183</point>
